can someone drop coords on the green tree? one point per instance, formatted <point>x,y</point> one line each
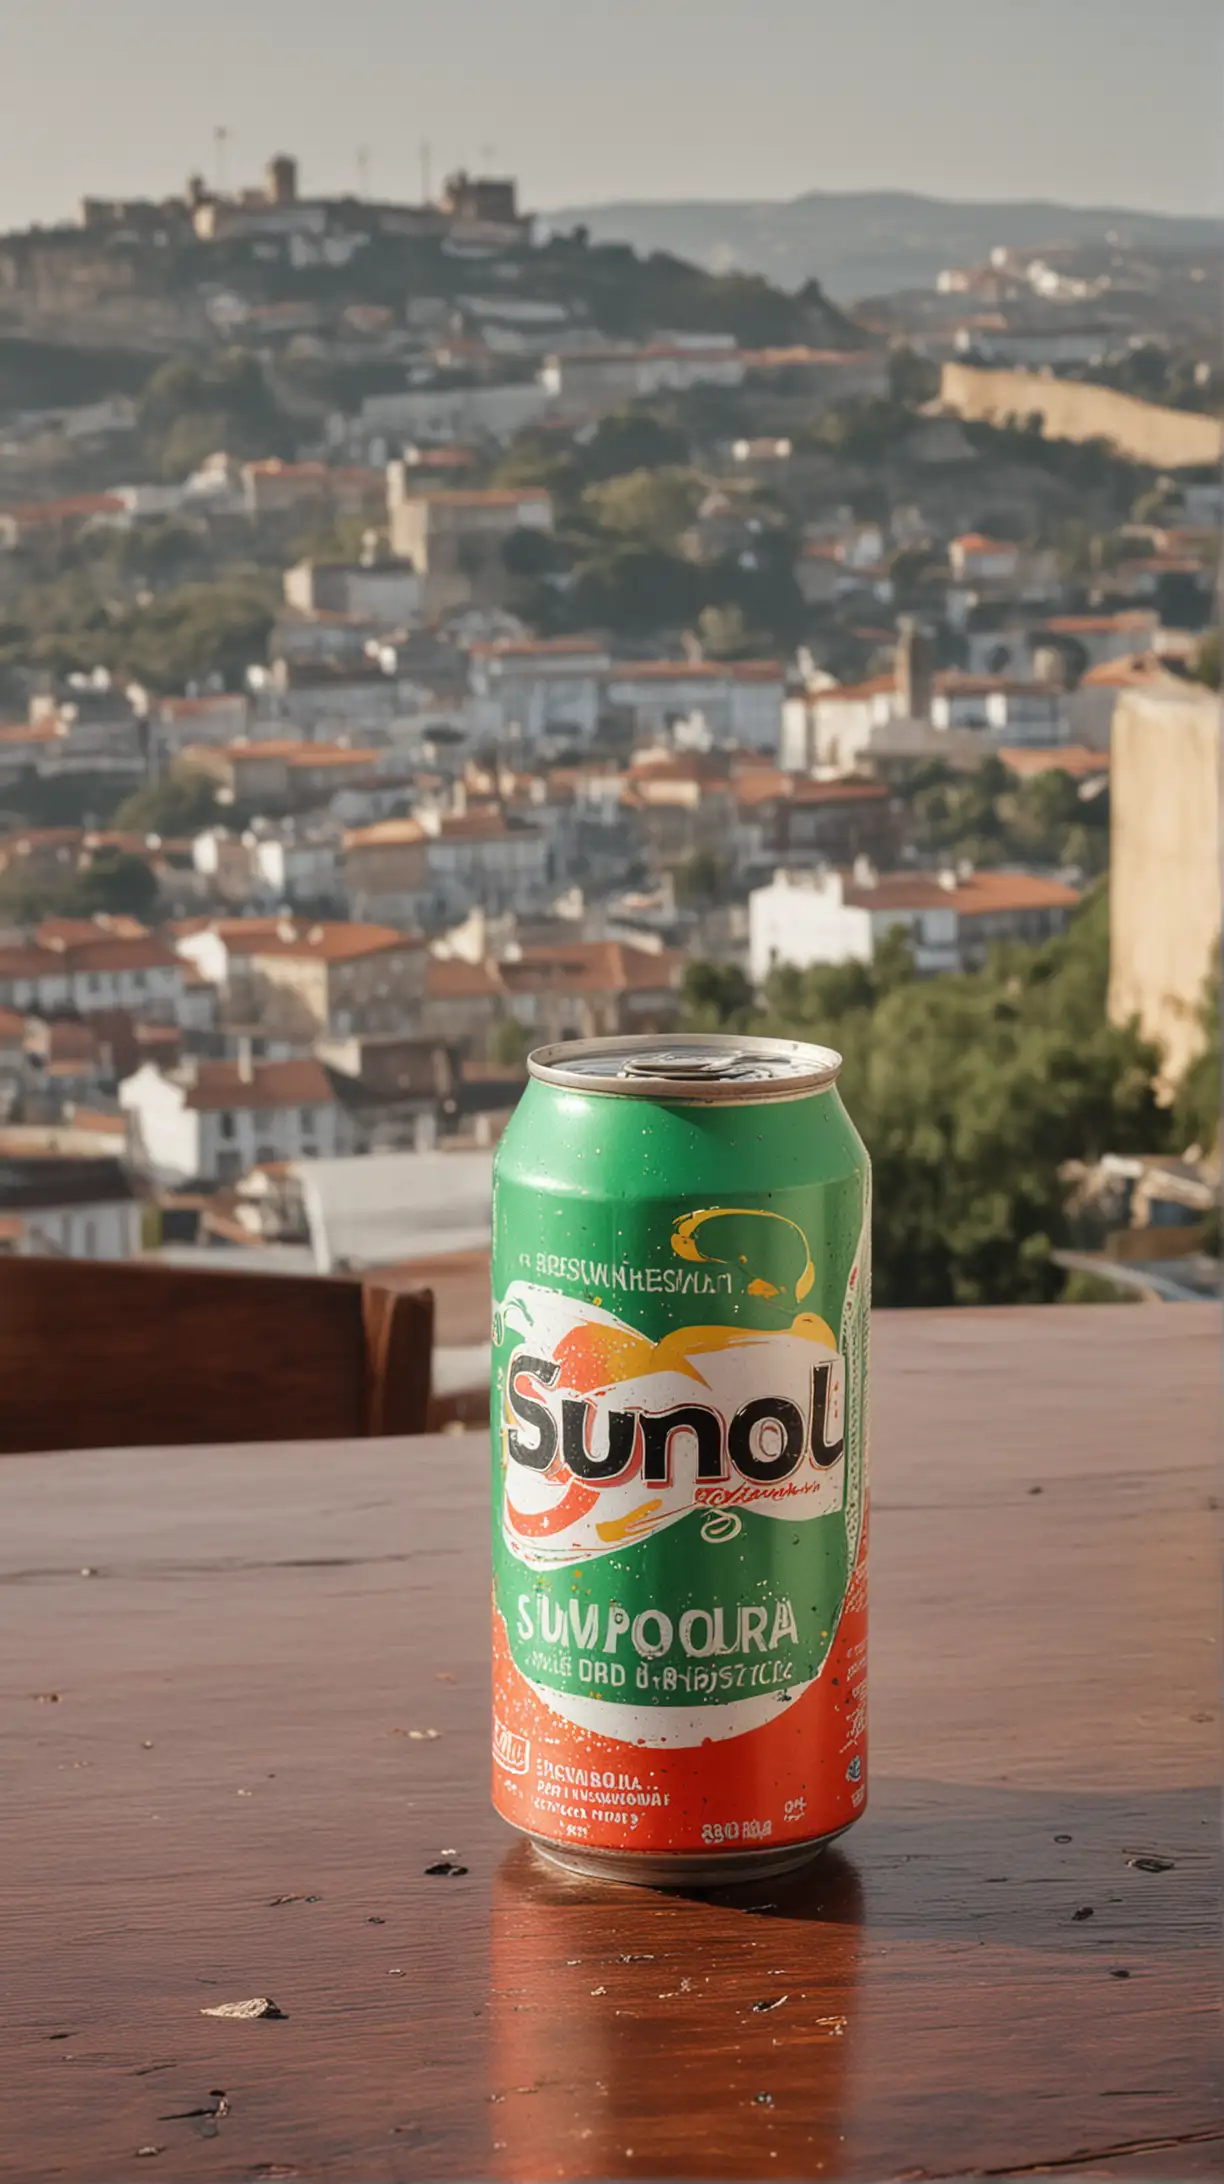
<point>181,636</point>
<point>116,880</point>
<point>632,440</point>
<point>534,458</point>
<point>1206,664</point>
<point>188,410</point>
<point>1196,1106</point>
<point>635,590</point>
<point>529,553</point>
<point>971,1092</point>
<point>700,879</point>
<point>184,803</point>
<point>725,634</point>
<point>508,1042</point>
<point>715,997</point>
<point>649,507</point>
<point>912,379</point>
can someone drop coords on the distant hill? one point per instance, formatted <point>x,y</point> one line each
<point>868,244</point>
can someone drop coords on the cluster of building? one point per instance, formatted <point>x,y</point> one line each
<point>440,837</point>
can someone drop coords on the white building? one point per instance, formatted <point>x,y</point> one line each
<point>587,383</point>
<point>208,1121</point>
<point>289,867</point>
<point>111,972</point>
<point>740,701</point>
<point>434,415</point>
<point>385,594</point>
<point>1017,711</point>
<point>177,722</point>
<point>830,725</point>
<point>951,918</point>
<point>533,693</point>
<point>974,558</point>
<point>61,1202</point>
<point>838,728</point>
<point>484,859</point>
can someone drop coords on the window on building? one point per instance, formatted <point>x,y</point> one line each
<point>139,981</point>
<point>306,1118</point>
<point>89,1244</point>
<point>227,1123</point>
<point>93,983</point>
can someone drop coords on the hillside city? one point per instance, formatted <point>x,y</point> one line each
<point>426,633</point>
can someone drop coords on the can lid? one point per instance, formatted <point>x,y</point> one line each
<point>713,1068</point>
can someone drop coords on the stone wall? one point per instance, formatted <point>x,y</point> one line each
<point>1164,888</point>
<point>1167,439</point>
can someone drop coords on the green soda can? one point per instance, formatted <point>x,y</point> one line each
<point>681,1284</point>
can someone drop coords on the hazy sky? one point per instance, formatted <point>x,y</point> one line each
<point>1095,101</point>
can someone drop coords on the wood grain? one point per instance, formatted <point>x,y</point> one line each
<point>224,1800</point>
<point>95,1356</point>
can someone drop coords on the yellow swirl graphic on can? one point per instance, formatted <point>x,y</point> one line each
<point>739,1239</point>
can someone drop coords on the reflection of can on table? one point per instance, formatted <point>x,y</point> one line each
<point>681,1271</point>
<point>625,2041</point>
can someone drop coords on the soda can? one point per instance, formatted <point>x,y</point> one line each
<point>681,1276</point>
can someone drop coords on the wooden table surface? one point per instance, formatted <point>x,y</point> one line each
<point>213,1662</point>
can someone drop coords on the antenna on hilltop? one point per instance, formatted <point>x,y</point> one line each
<point>221,141</point>
<point>425,171</point>
<point>363,171</point>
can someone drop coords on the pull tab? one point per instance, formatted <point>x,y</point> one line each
<point>684,1062</point>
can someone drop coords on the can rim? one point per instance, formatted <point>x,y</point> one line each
<point>815,1068</point>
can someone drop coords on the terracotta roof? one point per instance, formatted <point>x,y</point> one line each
<point>76,504</point>
<point>233,931</point>
<point>1124,673</point>
<point>854,693</point>
<point>36,731</point>
<point>976,542</point>
<point>92,1118</point>
<point>110,952</point>
<point>452,457</point>
<point>322,473</point>
<point>70,931</point>
<point>32,962</point>
<point>69,1038</point>
<point>337,942</point>
<point>453,978</point>
<point>541,648</point>
<point>295,751</point>
<point>778,359</point>
<point>593,966</point>
<point>385,834</point>
<point>692,352</point>
<point>982,894</point>
<point>1089,625</point>
<point>1069,758</point>
<point>132,844</point>
<point>953,682</point>
<point>481,826</point>
<point>301,1083</point>
<point>187,708</point>
<point>771,785</point>
<point>486,497</point>
<point>314,756</point>
<point>42,838</point>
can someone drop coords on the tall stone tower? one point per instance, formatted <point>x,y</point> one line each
<point>281,180</point>
<point>914,670</point>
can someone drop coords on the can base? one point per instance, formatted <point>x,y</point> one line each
<point>678,1869</point>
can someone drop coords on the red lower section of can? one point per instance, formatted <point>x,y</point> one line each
<point>796,1779</point>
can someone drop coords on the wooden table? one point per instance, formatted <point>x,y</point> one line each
<point>213,1664</point>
